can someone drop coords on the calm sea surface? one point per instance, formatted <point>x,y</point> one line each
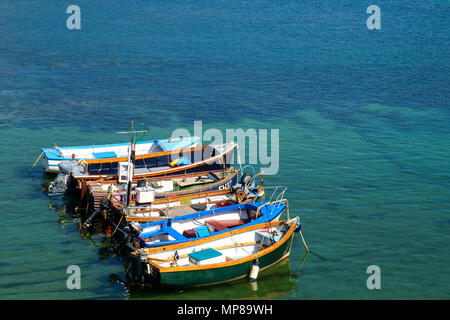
<point>363,119</point>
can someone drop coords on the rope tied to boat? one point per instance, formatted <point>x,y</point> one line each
<point>298,229</point>
<point>84,164</point>
<point>58,149</point>
<point>118,224</point>
<point>37,160</point>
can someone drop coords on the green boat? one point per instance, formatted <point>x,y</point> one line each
<point>222,258</point>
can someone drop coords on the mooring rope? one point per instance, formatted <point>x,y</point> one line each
<point>37,160</point>
<point>118,224</point>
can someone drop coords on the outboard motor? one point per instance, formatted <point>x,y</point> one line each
<point>105,204</point>
<point>61,183</point>
<point>246,177</point>
<point>247,189</point>
<point>135,228</point>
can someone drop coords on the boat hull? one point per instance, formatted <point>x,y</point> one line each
<point>50,166</point>
<point>219,273</point>
<point>52,157</point>
<point>155,165</point>
<point>121,226</point>
<point>95,193</point>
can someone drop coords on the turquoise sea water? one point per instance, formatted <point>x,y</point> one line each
<point>363,119</point>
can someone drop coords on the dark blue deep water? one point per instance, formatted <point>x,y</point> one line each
<point>363,119</point>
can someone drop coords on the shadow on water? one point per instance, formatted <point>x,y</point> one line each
<point>69,210</point>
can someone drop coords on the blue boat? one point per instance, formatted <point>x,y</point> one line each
<point>52,157</point>
<point>202,224</point>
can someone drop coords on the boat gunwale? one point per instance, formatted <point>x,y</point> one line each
<point>215,211</point>
<point>251,257</point>
<point>155,154</point>
<point>56,153</point>
<point>178,193</point>
<point>164,171</point>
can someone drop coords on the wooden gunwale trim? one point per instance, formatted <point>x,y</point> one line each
<point>162,172</point>
<point>212,238</point>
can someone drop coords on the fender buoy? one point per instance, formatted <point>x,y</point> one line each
<point>254,271</point>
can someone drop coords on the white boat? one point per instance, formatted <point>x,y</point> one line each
<point>52,157</point>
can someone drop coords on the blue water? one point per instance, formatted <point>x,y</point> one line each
<point>363,118</point>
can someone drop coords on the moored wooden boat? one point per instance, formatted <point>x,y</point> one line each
<point>205,158</point>
<point>53,156</point>
<point>201,158</point>
<point>221,258</point>
<point>203,224</point>
<point>117,216</point>
<point>158,188</point>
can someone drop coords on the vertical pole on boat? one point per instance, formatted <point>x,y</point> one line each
<point>131,160</point>
<point>224,166</point>
<point>239,159</point>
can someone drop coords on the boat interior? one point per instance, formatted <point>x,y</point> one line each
<point>121,149</point>
<point>163,184</point>
<point>234,247</point>
<point>151,164</point>
<point>198,227</point>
